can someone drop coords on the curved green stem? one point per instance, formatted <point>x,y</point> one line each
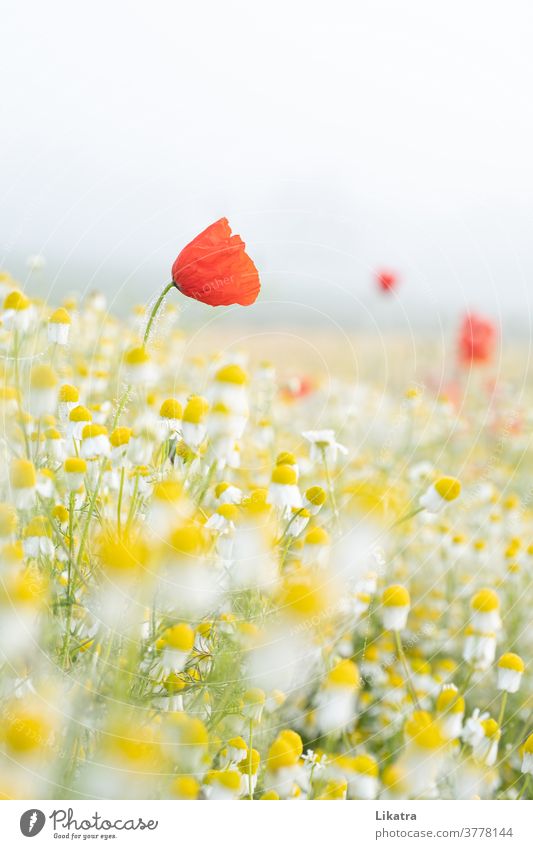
<point>407,516</point>
<point>155,310</point>
<point>502,708</point>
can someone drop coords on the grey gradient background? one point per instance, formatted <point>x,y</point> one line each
<point>336,137</point>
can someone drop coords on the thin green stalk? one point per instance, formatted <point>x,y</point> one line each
<point>121,404</point>
<point>90,511</point>
<point>289,523</point>
<point>69,578</point>
<point>155,310</point>
<point>331,489</point>
<point>119,504</point>
<point>207,483</point>
<point>524,786</point>
<point>407,516</point>
<point>502,708</point>
<point>131,512</point>
<point>401,655</point>
<point>250,791</point>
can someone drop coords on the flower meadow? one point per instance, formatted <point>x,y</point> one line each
<point>217,584</point>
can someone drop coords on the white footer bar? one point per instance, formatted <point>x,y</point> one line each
<point>328,825</point>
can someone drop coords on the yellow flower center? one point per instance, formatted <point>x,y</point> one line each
<point>69,394</point>
<point>120,436</point>
<point>395,596</point>
<point>75,465</point>
<point>511,661</point>
<point>22,474</point>
<point>485,601</point>
<point>170,409</point>
<point>180,637</point>
<point>43,377</point>
<point>60,316</point>
<point>285,475</point>
<point>195,409</point>
<point>231,374</point>
<point>16,301</point>
<point>448,488</point>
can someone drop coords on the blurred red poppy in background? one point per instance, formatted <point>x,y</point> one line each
<point>477,339</point>
<point>387,280</point>
<point>297,388</point>
<point>214,268</point>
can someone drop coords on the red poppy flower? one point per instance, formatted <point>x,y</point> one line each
<point>214,268</point>
<point>297,387</point>
<point>387,280</point>
<point>477,339</point>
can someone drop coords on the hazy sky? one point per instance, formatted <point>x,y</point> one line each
<point>336,137</point>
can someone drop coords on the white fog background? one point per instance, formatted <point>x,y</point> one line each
<point>336,137</point>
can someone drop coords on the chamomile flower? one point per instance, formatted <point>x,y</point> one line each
<point>68,397</point>
<point>298,520</point>
<point>43,390</point>
<point>55,444</point>
<point>37,538</point>
<point>424,754</point>
<point>59,327</point>
<point>510,669</point>
<point>78,418</point>
<point>485,607</point>
<point>336,703</point>
<point>185,787</point>
<point>23,479</point>
<point>440,494</point>
<point>363,782</point>
<point>18,312</point>
<point>395,606</point>
<point>229,388</point>
<point>223,519</point>
<point>527,756</point>
<point>228,493</point>
<point>75,470</point>
<point>223,785</point>
<point>249,769</point>
<point>485,746</point>
<point>170,414</point>
<point>324,444</point>
<point>283,763</point>
<point>316,546</point>
<point>178,643</point>
<point>450,707</point>
<point>314,499</point>
<point>194,421</point>
<point>138,367</point>
<point>283,491</point>
<point>94,442</point>
<point>479,648</point>
<point>119,441</point>
<point>236,750</point>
